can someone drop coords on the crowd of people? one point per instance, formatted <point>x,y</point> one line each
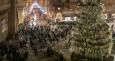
<point>37,38</point>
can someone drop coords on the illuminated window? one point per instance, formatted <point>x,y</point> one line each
<point>4,24</point>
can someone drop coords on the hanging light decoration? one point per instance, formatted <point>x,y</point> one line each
<point>36,5</point>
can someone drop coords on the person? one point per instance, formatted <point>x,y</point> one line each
<point>26,54</point>
<point>49,51</point>
<point>35,51</point>
<point>1,58</point>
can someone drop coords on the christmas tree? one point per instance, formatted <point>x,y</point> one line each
<point>91,35</point>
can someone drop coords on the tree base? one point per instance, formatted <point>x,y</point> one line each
<point>75,57</point>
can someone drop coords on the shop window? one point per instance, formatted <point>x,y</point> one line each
<point>113,15</point>
<point>4,24</point>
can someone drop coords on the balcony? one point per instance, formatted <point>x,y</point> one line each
<point>4,7</point>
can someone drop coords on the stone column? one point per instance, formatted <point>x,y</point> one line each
<point>13,17</point>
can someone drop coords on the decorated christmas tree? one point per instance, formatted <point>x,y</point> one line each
<point>91,35</point>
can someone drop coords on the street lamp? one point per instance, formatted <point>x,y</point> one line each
<point>59,8</point>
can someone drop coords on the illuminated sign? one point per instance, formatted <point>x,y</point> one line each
<point>59,16</point>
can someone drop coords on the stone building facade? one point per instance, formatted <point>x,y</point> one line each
<point>8,18</point>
